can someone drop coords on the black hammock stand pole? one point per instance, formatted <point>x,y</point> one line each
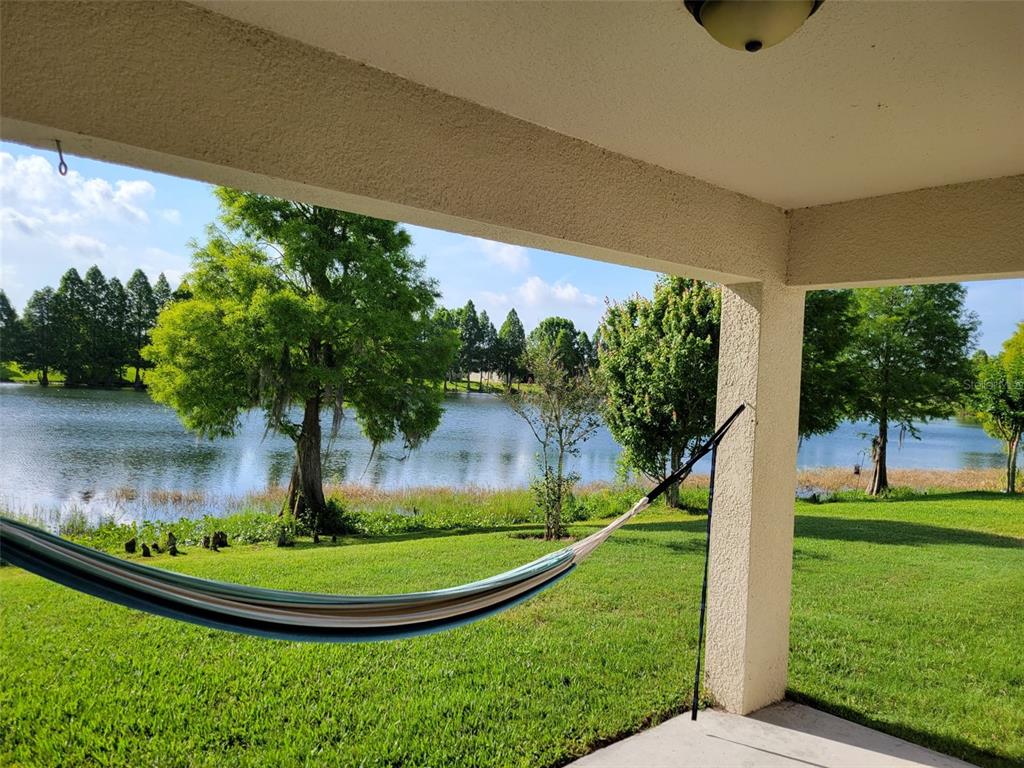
<point>704,587</point>
<point>711,446</point>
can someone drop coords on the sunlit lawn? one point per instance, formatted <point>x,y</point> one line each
<point>907,615</point>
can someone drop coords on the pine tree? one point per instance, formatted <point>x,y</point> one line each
<point>70,328</point>
<point>488,346</point>
<point>143,305</point>
<point>10,331</point>
<point>95,326</point>
<point>511,347</point>
<point>162,294</point>
<point>39,350</point>
<point>115,345</point>
<point>469,340</point>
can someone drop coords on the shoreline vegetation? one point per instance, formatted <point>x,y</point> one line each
<point>366,511</point>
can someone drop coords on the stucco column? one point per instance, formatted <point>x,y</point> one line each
<point>752,529</point>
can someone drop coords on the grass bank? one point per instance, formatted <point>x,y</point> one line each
<point>907,615</point>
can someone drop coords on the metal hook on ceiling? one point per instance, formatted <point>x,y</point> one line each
<point>62,166</point>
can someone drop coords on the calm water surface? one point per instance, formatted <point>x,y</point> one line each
<point>64,448</point>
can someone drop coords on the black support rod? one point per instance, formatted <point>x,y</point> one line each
<point>704,586</point>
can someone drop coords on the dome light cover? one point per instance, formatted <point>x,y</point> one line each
<point>751,25</point>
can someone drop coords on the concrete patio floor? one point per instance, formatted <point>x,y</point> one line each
<point>784,735</point>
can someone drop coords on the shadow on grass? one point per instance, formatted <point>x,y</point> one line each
<point>945,744</point>
<point>896,532</point>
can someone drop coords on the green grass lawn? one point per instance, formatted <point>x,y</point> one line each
<point>907,615</point>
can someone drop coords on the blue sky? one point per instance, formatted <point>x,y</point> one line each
<point>121,218</point>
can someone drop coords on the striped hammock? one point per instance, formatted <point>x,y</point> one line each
<point>302,615</point>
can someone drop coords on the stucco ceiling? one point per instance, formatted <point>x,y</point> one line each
<point>867,98</point>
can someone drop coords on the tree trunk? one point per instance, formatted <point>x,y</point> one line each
<point>44,380</point>
<point>138,379</point>
<point>553,528</point>
<point>307,450</point>
<point>1011,464</point>
<point>879,477</point>
<point>293,497</point>
<point>672,494</point>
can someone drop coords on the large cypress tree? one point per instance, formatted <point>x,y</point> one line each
<point>303,308</point>
<point>910,349</point>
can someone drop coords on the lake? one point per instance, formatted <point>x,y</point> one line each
<point>63,448</point>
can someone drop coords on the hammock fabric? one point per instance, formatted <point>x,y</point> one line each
<point>302,615</point>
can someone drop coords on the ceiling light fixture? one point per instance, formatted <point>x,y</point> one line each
<point>751,25</point>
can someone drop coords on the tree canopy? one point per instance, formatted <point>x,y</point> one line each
<point>294,304</point>
<point>560,336</point>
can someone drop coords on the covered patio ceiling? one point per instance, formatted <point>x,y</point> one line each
<point>866,99</point>
<point>882,143</point>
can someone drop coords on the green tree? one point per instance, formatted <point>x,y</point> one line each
<point>181,293</point>
<point>562,411</point>
<point>470,336</point>
<point>910,350</point>
<point>116,346</point>
<point>142,309</point>
<point>659,361</point>
<point>70,313</point>
<point>448,320</point>
<point>162,294</point>
<point>828,378</point>
<point>95,326</point>
<point>587,350</point>
<point>559,334</point>
<point>10,331</point>
<point>511,348</point>
<point>38,351</point>
<point>306,306</point>
<point>999,399</point>
<point>488,347</point>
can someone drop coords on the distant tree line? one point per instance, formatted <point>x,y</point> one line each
<point>502,353</point>
<point>89,330</point>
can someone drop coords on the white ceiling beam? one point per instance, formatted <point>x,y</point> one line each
<point>958,232</point>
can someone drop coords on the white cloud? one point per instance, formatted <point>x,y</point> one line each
<point>537,292</point>
<point>50,222</point>
<point>84,245</point>
<point>31,185</point>
<point>11,219</point>
<point>514,258</point>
